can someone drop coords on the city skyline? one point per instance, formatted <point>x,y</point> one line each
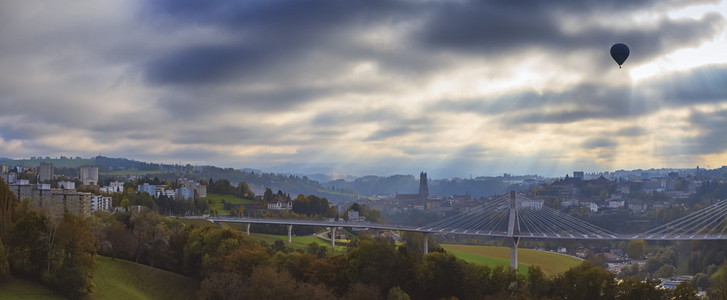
<point>371,88</point>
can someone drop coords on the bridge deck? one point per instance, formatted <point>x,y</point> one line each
<point>426,229</point>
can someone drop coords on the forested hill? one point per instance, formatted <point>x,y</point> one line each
<point>290,184</point>
<point>335,191</point>
<point>118,168</point>
<point>408,184</point>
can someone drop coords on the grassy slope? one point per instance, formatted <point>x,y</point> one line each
<point>299,242</point>
<point>551,263</point>
<point>217,204</point>
<point>197,222</point>
<point>119,279</point>
<point>115,279</point>
<point>20,289</point>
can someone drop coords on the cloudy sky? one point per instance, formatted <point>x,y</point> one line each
<point>451,87</point>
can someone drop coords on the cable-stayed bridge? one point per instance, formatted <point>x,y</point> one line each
<point>514,216</point>
<point>532,219</point>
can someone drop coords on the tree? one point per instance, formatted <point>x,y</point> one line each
<point>665,271</point>
<point>396,293</point>
<point>684,291</point>
<point>268,195</point>
<point>206,249</point>
<point>222,285</point>
<point>4,266</point>
<point>636,249</point>
<point>440,275</point>
<point>58,252</point>
<point>377,261</point>
<point>360,291</point>
<point>244,191</point>
<point>331,271</point>
<point>152,237</point>
<point>585,282</point>
<point>269,284</point>
<point>26,249</point>
<point>718,282</point>
<point>538,284</point>
<point>633,289</point>
<point>7,209</point>
<point>125,203</point>
<point>76,248</point>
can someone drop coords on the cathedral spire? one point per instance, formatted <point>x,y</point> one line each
<point>423,187</point>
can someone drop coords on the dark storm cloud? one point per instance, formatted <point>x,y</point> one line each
<point>18,131</point>
<point>397,128</point>
<point>594,101</point>
<point>706,84</point>
<point>711,138</point>
<point>326,119</point>
<point>294,42</point>
<point>276,36</point>
<point>286,17</point>
<point>201,103</point>
<point>600,142</point>
<point>270,33</point>
<point>235,135</point>
<point>205,64</point>
<point>495,27</point>
<point>585,101</point>
<point>631,131</point>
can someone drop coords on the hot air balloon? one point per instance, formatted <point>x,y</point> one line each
<point>620,52</point>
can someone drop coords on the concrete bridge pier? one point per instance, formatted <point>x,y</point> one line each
<point>333,239</point>
<point>513,229</point>
<point>513,252</point>
<point>248,228</point>
<point>290,234</point>
<point>425,243</point>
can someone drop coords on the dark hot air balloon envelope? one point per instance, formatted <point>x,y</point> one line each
<point>620,52</point>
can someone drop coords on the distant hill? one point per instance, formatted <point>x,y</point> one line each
<point>62,162</point>
<point>408,184</point>
<point>294,184</point>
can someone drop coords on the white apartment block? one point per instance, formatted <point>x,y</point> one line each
<point>67,185</point>
<point>147,188</point>
<point>113,187</point>
<point>184,193</point>
<point>100,203</point>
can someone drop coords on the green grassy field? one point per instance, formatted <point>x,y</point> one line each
<point>551,263</point>
<point>298,242</point>
<point>120,279</point>
<point>115,279</point>
<point>21,289</point>
<point>218,203</point>
<point>197,222</point>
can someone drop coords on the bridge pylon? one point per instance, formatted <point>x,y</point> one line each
<point>513,229</point>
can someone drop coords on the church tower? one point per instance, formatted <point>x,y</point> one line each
<point>423,187</point>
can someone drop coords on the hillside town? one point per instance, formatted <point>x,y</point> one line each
<point>623,201</point>
<point>635,192</point>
